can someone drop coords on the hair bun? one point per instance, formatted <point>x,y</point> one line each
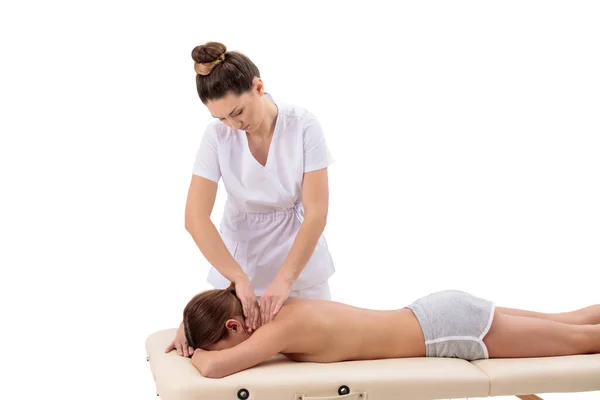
<point>208,52</point>
<point>207,56</point>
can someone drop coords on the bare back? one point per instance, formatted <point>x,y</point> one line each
<point>326,331</point>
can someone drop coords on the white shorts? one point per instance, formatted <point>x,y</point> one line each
<point>454,324</point>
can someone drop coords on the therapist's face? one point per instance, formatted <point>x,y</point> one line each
<point>236,334</point>
<point>244,112</point>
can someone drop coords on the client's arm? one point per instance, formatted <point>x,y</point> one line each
<point>266,342</point>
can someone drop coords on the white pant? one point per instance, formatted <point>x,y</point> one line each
<point>319,292</point>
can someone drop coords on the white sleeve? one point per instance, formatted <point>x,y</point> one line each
<point>316,152</point>
<point>207,157</point>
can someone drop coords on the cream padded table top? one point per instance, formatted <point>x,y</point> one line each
<point>568,374</point>
<point>409,378</point>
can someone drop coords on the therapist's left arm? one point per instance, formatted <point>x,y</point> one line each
<point>315,199</point>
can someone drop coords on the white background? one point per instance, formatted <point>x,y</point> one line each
<point>466,139</point>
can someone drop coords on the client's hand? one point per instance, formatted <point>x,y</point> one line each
<point>180,344</point>
<point>245,292</point>
<point>273,298</point>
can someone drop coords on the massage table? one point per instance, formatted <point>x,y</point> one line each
<point>392,379</point>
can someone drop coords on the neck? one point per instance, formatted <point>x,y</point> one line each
<point>267,126</point>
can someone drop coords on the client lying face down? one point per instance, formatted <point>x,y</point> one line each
<point>443,324</point>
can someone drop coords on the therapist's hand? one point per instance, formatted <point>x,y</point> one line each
<point>273,298</point>
<point>245,292</point>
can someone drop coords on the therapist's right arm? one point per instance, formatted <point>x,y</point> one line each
<point>200,202</point>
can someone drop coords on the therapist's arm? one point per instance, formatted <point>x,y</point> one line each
<point>199,205</point>
<point>315,198</point>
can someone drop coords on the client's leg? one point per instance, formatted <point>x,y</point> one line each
<point>512,336</point>
<point>588,315</point>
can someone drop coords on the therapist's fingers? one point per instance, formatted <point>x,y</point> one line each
<point>184,349</point>
<point>256,321</point>
<point>258,317</point>
<point>191,350</point>
<point>179,349</point>
<point>277,307</point>
<point>265,306</point>
<point>268,311</point>
<point>254,314</point>
<point>250,320</point>
<point>247,311</point>
<point>272,309</point>
<point>248,315</point>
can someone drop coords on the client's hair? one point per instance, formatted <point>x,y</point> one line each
<point>205,315</point>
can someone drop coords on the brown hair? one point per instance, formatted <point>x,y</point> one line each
<point>205,315</point>
<point>219,71</point>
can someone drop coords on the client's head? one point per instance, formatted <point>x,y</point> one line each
<point>214,320</point>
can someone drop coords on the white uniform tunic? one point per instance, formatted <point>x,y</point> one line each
<point>264,210</point>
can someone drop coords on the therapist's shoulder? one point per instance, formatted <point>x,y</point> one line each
<point>296,115</point>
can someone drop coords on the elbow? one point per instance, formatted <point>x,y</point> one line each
<point>209,370</point>
<point>188,225</point>
<point>206,369</point>
<point>319,218</point>
<point>192,223</point>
